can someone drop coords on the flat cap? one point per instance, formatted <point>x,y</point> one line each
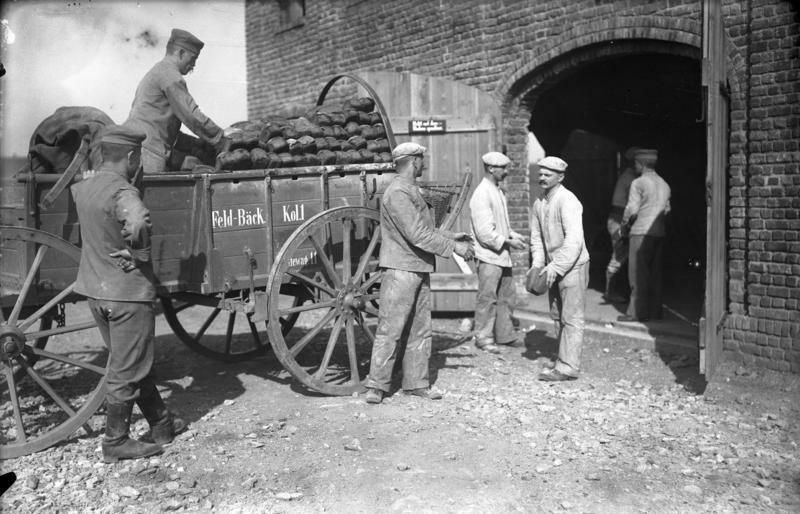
<point>122,135</point>
<point>186,40</point>
<point>407,149</point>
<point>553,163</point>
<point>630,151</point>
<point>495,159</point>
<point>645,153</point>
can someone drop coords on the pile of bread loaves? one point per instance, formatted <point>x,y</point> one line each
<point>353,134</point>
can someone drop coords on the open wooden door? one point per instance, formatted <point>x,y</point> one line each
<point>717,112</point>
<point>458,124</point>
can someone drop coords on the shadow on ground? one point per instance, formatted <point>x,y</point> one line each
<point>195,384</point>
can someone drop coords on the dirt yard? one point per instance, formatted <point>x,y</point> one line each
<point>639,432</point>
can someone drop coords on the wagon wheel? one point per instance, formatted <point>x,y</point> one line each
<point>329,349</point>
<point>46,395</point>
<point>226,335</point>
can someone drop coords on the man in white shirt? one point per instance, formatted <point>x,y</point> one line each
<point>494,239</point>
<point>557,243</point>
<point>644,219</point>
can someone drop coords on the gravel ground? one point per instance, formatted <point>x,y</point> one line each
<point>639,432</point>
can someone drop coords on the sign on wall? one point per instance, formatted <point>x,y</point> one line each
<point>429,126</point>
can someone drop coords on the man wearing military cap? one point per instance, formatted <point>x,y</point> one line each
<point>116,275</point>
<point>558,246</point>
<point>644,221</point>
<point>494,240</point>
<point>409,244</point>
<point>162,103</point>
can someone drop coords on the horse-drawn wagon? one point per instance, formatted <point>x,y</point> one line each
<point>279,257</point>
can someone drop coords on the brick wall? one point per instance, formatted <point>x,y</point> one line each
<point>508,48</point>
<point>764,248</point>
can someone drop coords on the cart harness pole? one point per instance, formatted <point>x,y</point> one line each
<point>66,178</point>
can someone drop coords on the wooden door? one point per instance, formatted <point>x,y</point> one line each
<point>716,97</point>
<point>470,119</point>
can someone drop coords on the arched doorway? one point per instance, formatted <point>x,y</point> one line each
<point>588,110</point>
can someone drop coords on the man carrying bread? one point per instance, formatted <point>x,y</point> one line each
<point>410,243</point>
<point>559,249</point>
<point>162,103</point>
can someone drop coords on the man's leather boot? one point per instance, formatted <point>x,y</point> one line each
<point>163,425</point>
<point>116,443</point>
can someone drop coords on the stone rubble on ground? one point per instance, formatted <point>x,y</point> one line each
<point>703,453</point>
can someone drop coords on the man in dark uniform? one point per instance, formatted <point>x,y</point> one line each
<point>408,248</point>
<point>116,275</point>
<point>163,102</point>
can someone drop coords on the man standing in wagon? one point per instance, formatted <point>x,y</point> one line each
<point>162,103</point>
<point>409,245</point>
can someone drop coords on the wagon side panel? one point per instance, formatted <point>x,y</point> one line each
<point>295,200</point>
<point>180,246</point>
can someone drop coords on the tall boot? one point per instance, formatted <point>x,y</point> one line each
<point>116,443</point>
<point>163,425</point>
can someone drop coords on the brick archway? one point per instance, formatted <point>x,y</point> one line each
<point>600,37</point>
<point>605,38</point>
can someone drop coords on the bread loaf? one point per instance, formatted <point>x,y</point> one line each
<point>277,145</point>
<point>259,157</point>
<point>238,159</point>
<point>363,104</point>
<point>327,157</point>
<point>352,128</point>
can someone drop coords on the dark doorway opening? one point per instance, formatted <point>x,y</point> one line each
<point>590,115</point>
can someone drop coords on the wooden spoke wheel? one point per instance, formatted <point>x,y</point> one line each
<point>335,256</point>
<point>211,325</point>
<point>46,395</point>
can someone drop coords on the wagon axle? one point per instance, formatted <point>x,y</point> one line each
<point>351,298</point>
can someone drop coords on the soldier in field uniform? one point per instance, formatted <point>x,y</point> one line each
<point>116,275</point>
<point>162,103</point>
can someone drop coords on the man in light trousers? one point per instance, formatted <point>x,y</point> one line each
<point>557,243</point>
<point>644,220</point>
<point>494,238</point>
